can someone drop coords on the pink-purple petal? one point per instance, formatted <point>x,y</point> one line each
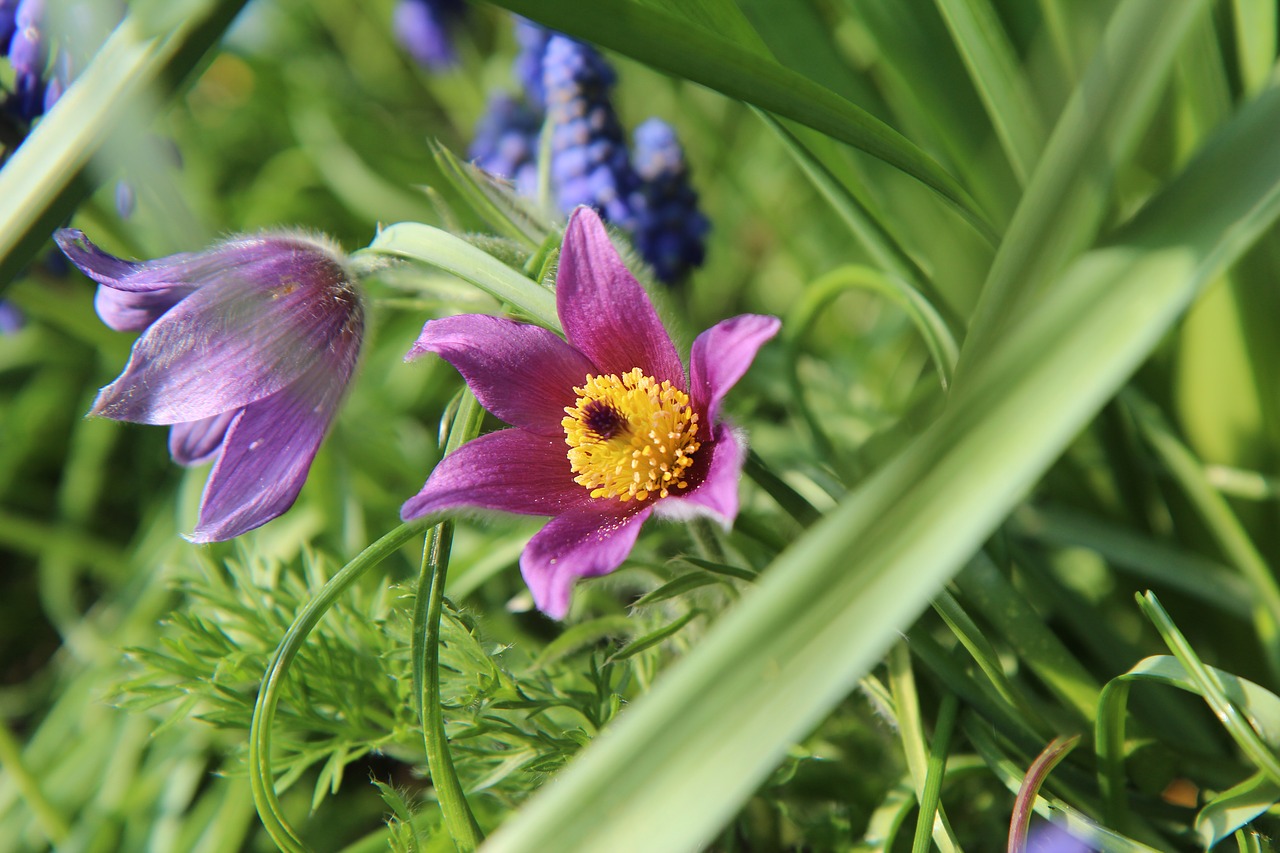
<point>511,470</point>
<point>523,374</point>
<point>226,346</point>
<point>268,450</point>
<point>721,355</point>
<point>605,312</point>
<point>198,442</point>
<point>578,544</point>
<point>716,496</point>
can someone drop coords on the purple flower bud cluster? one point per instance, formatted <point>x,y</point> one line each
<point>670,231</point>
<point>422,28</point>
<point>26,44</point>
<point>569,84</point>
<point>589,160</point>
<point>506,142</point>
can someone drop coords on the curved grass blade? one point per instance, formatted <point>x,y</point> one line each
<point>1235,807</point>
<point>677,46</point>
<point>1037,773</point>
<point>688,753</point>
<point>928,322</point>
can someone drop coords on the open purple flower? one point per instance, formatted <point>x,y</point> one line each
<point>607,427</point>
<point>246,351</point>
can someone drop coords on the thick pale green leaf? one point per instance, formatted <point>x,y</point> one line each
<point>429,245</point>
<point>686,755</point>
<point>676,46</point>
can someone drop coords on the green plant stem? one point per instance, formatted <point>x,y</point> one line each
<point>55,826</point>
<point>1039,771</point>
<point>428,608</point>
<point>791,501</point>
<point>427,612</point>
<point>261,776</point>
<point>935,772</point>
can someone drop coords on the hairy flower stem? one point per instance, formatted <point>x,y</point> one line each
<point>428,608</point>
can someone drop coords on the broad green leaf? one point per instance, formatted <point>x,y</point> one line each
<point>674,45</point>
<point>683,759</point>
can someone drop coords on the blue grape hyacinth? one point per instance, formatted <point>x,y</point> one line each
<point>422,28</point>
<point>28,49</point>
<point>532,39</point>
<point>506,143</point>
<point>670,232</point>
<point>589,160</point>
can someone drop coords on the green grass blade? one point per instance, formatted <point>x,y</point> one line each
<point>1234,807</point>
<point>993,67</point>
<point>688,753</point>
<point>43,181</point>
<point>1069,192</point>
<point>673,45</point>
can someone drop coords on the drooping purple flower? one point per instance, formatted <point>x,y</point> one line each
<point>246,351</point>
<point>589,160</point>
<point>1048,837</point>
<point>607,428</point>
<point>422,28</point>
<point>506,143</point>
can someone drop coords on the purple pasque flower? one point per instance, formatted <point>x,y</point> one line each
<point>607,428</point>
<point>246,351</point>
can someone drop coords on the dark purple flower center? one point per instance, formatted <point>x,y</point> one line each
<point>602,419</point>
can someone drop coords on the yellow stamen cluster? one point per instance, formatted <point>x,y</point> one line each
<point>630,436</point>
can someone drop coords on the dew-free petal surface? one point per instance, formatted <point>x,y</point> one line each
<point>605,312</point>
<point>523,374</point>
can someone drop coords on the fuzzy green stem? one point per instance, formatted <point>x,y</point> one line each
<point>261,776</point>
<point>429,605</point>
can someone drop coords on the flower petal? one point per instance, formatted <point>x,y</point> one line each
<point>133,311</point>
<point>716,496</point>
<point>523,374</point>
<point>605,312</point>
<point>578,544</point>
<point>510,470</point>
<point>268,450</point>
<point>198,442</point>
<point>721,355</point>
<point>230,344</point>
